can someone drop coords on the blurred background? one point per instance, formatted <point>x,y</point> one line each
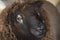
<point>55,3</point>
<point>6,3</point>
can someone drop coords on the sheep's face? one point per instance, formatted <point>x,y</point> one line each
<point>28,20</point>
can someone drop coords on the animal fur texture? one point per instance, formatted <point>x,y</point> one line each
<point>10,29</point>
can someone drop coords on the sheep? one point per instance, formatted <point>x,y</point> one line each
<point>27,21</point>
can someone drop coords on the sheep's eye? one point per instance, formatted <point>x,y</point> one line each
<point>19,19</point>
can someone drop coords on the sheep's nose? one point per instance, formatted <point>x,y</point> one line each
<point>38,32</point>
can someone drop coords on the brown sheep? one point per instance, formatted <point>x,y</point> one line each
<point>18,21</point>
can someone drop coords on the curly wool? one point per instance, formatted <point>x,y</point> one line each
<point>6,32</point>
